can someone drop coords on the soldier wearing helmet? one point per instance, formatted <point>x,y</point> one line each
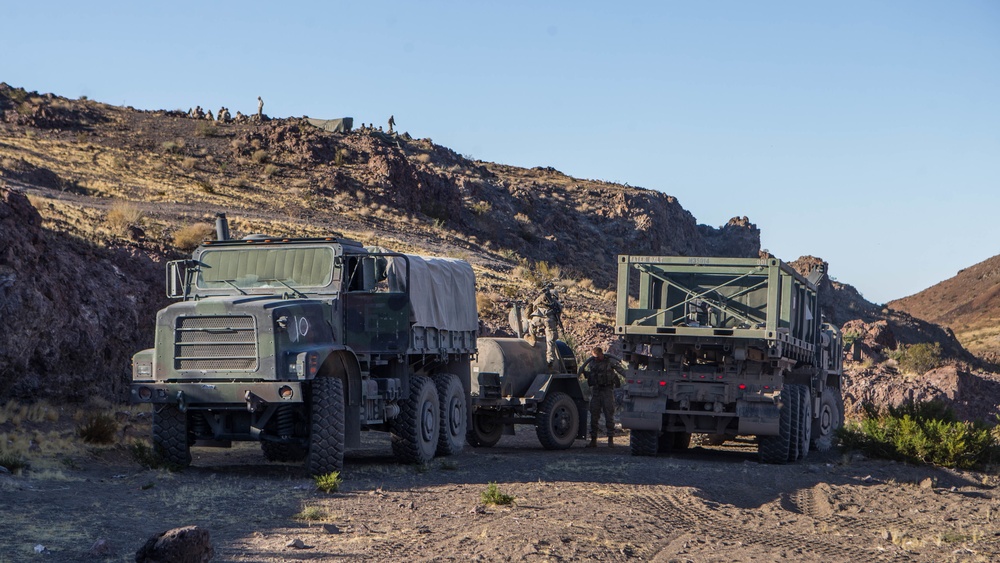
<point>548,312</point>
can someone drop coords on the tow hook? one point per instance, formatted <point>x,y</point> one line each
<point>182,402</point>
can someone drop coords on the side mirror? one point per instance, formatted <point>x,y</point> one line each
<point>178,276</point>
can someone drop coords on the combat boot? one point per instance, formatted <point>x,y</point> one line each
<point>611,441</point>
<point>593,442</point>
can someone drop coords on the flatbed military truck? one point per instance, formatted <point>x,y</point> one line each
<point>727,347</point>
<point>512,385</point>
<point>303,343</point>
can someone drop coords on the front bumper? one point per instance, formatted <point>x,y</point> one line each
<point>218,394</point>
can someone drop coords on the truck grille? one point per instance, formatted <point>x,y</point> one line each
<point>215,343</point>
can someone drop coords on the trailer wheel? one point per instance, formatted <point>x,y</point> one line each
<point>643,442</point>
<point>774,449</point>
<point>485,432</point>
<point>415,431</point>
<point>828,420</point>
<point>326,426</point>
<point>557,421</point>
<point>454,416</point>
<point>170,436</point>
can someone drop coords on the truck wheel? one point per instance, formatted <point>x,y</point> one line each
<point>282,451</point>
<point>774,449</point>
<point>454,421</point>
<point>828,420</point>
<point>170,436</point>
<point>415,430</point>
<point>557,421</point>
<point>485,432</point>
<point>806,436</point>
<point>326,426</point>
<point>643,442</point>
<point>795,402</point>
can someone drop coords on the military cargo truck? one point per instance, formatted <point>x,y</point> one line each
<point>727,347</point>
<point>303,343</point>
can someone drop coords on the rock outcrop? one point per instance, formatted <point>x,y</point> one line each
<point>72,313</point>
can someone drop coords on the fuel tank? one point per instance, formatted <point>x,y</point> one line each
<point>517,362</point>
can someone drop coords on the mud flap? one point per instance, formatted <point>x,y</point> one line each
<point>643,413</point>
<point>757,418</point>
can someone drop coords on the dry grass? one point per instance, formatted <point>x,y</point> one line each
<point>123,215</point>
<point>259,156</point>
<point>270,170</point>
<point>188,238</point>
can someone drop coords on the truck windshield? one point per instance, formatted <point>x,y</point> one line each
<point>263,266</point>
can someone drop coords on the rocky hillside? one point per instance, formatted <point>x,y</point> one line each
<point>968,304</point>
<point>95,198</point>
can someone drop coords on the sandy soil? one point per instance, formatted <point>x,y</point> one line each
<point>706,504</point>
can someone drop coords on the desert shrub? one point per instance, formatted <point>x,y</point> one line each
<point>918,358</point>
<point>98,428</point>
<point>484,303</point>
<point>586,284</point>
<point>188,238</point>
<point>173,146</point>
<point>205,186</point>
<point>548,271</point>
<point>329,483</point>
<point>493,495</point>
<point>206,129</point>
<point>311,513</point>
<point>482,207</point>
<point>189,163</point>
<point>849,338</point>
<point>340,158</point>
<point>144,455</point>
<point>259,156</point>
<point>270,170</point>
<point>12,462</point>
<point>121,216</point>
<point>509,291</point>
<point>922,433</point>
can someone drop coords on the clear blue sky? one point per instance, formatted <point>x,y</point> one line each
<point>867,133</point>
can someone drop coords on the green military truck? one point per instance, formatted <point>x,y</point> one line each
<point>727,347</point>
<point>303,343</point>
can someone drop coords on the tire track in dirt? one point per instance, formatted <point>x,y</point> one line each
<point>685,513</point>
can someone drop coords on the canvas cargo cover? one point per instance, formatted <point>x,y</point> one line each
<point>342,125</point>
<point>442,292</point>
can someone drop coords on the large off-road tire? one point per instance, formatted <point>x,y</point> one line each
<point>485,432</point>
<point>828,420</point>
<point>415,431</point>
<point>643,442</point>
<point>557,421</point>
<point>454,414</point>
<point>170,436</point>
<point>795,402</point>
<point>283,451</point>
<point>326,426</point>
<point>774,449</point>
<point>805,438</point>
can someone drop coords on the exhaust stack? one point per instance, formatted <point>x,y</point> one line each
<point>221,227</point>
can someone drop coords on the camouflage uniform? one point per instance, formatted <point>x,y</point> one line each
<point>602,376</point>
<point>548,309</point>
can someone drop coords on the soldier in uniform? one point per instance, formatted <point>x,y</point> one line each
<point>602,376</point>
<point>548,310</point>
<point>260,108</point>
<point>392,123</point>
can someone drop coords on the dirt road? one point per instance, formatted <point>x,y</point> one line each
<point>707,504</point>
